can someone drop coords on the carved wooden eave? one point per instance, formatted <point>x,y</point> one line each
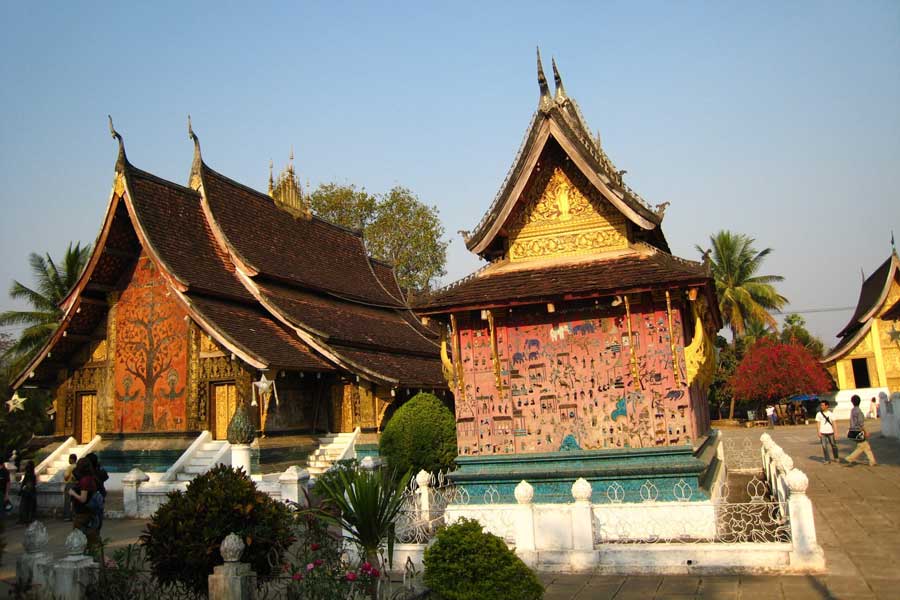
<point>847,344</point>
<point>560,118</point>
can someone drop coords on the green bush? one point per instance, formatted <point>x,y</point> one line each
<point>465,563</point>
<point>183,537</point>
<point>420,435</point>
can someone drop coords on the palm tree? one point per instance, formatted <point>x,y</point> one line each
<point>53,284</point>
<point>744,296</point>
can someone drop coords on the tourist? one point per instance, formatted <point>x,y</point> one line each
<point>69,478</point>
<point>101,475</point>
<point>857,433</point>
<point>770,414</point>
<point>28,495</point>
<point>826,431</point>
<point>4,486</point>
<point>82,493</point>
<point>873,408</point>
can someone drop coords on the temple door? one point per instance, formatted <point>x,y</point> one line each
<point>86,424</point>
<point>224,397</point>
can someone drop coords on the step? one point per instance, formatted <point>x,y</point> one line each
<point>205,454</point>
<point>196,469</point>
<point>184,476</point>
<point>212,446</point>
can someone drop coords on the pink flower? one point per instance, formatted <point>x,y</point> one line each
<point>310,566</point>
<point>297,576</point>
<point>351,576</point>
<point>314,547</point>
<point>375,573</point>
<point>366,567</point>
<point>318,562</point>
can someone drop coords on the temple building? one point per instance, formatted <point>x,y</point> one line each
<point>584,346</point>
<point>868,353</point>
<point>197,298</point>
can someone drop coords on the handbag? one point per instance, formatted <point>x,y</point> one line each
<point>857,435</point>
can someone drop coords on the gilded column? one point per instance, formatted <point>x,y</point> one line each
<point>108,400</point>
<point>672,338</point>
<point>876,348</point>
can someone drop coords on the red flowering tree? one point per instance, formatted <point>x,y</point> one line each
<point>771,371</point>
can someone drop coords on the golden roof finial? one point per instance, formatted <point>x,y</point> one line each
<point>271,179</point>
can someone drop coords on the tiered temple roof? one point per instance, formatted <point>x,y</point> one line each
<point>276,286</point>
<point>637,260</point>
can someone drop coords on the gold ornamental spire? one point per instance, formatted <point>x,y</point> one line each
<point>286,191</point>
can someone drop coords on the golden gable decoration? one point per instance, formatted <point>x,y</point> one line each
<point>557,219</point>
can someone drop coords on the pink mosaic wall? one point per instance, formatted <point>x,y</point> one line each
<point>569,373</point>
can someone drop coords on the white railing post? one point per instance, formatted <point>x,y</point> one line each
<point>75,572</point>
<point>130,490</point>
<point>293,483</point>
<point>423,480</point>
<point>232,580</point>
<point>31,567</point>
<point>806,552</point>
<point>583,555</point>
<point>525,546</point>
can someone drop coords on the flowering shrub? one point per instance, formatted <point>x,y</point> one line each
<point>771,370</point>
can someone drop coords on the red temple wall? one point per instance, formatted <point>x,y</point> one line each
<point>569,373</point>
<point>151,354</point>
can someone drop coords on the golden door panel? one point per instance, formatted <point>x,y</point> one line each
<point>87,417</point>
<point>224,397</point>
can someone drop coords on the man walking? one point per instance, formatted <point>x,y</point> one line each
<point>858,434</point>
<point>826,431</point>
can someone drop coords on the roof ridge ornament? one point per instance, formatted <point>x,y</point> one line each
<point>122,159</point>
<point>194,180</point>
<point>271,179</point>
<point>560,94</point>
<point>545,102</point>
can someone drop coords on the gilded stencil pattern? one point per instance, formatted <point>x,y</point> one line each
<point>558,219</point>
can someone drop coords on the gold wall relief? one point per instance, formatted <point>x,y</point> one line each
<point>446,363</point>
<point>196,405</point>
<point>558,219</point>
<point>672,338</point>
<point>635,372</point>
<point>495,355</point>
<point>700,355</point>
<point>457,357</point>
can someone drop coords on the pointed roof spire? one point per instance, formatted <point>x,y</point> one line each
<point>122,159</point>
<point>194,177</point>
<point>542,83</point>
<point>271,179</point>
<point>893,245</point>
<point>291,160</point>
<point>560,94</point>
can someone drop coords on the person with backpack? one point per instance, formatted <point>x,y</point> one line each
<point>101,475</point>
<point>826,431</point>
<point>858,434</point>
<point>85,499</point>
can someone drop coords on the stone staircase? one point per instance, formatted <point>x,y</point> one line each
<point>201,461</point>
<point>62,461</point>
<point>332,447</point>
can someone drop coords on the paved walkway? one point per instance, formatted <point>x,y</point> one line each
<point>857,513</point>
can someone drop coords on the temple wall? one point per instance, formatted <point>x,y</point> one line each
<point>572,373</point>
<point>151,356</point>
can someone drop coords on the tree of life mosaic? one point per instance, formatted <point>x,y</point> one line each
<point>568,382</point>
<point>151,354</point>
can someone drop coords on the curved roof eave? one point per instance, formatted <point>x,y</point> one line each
<point>847,344</point>
<point>308,338</point>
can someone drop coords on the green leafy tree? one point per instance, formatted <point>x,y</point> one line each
<point>744,296</point>
<point>397,226</point>
<point>794,330</point>
<point>344,204</point>
<point>52,283</point>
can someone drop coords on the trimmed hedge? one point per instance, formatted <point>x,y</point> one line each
<point>420,435</point>
<point>466,563</point>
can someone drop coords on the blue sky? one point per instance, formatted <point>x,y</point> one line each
<point>779,120</point>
